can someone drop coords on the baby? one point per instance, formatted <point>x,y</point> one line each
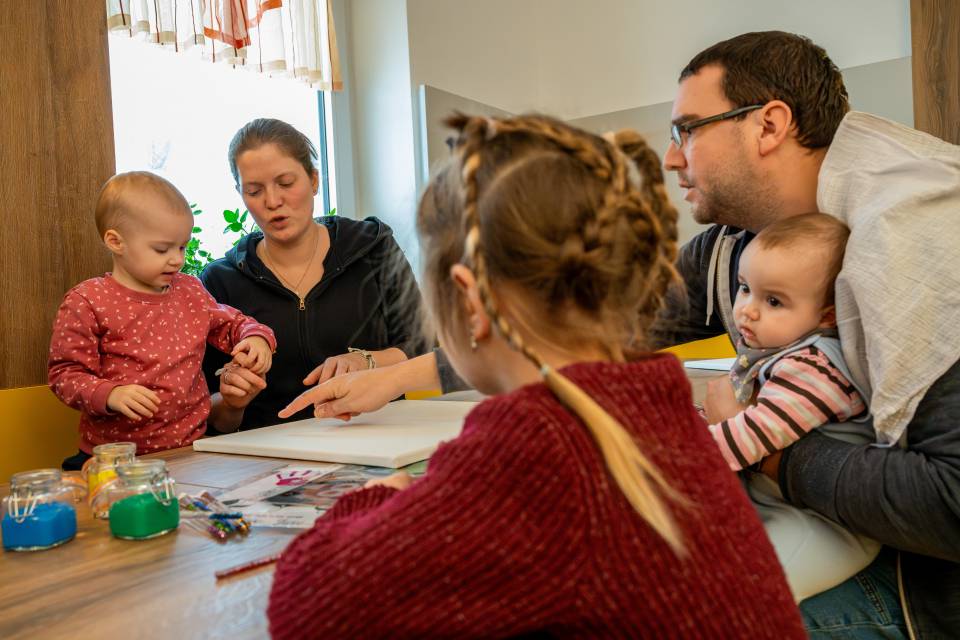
<point>789,376</point>
<point>127,347</point>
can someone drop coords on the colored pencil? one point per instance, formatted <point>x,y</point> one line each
<point>247,566</point>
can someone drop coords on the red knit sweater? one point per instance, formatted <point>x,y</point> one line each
<point>517,527</point>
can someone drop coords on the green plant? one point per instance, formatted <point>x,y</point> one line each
<point>236,223</point>
<point>195,258</point>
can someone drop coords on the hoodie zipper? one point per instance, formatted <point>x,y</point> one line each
<point>303,347</point>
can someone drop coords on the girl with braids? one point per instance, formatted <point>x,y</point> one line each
<point>585,498</point>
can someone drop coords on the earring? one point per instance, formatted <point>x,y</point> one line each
<point>473,342</point>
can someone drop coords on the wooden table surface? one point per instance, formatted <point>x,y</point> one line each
<point>159,588</point>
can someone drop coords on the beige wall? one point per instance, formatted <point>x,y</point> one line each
<point>575,59</point>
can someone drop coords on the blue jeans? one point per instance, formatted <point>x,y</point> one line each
<point>865,606</point>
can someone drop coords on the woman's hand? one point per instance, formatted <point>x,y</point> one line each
<point>239,386</point>
<point>337,366</point>
<point>721,401</point>
<point>399,480</point>
<point>346,396</point>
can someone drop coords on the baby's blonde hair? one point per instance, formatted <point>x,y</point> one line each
<point>563,215</point>
<point>119,199</point>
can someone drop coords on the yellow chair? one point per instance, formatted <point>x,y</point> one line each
<point>716,347</point>
<point>422,395</point>
<point>37,431</point>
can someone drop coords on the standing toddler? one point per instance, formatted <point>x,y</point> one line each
<point>127,347</point>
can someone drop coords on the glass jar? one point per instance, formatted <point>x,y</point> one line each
<point>142,501</point>
<point>100,472</point>
<point>39,514</point>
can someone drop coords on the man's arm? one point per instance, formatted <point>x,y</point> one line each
<point>906,498</point>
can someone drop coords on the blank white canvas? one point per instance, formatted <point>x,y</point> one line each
<point>401,433</point>
<point>714,364</point>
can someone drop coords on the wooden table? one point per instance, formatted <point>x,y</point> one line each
<point>159,588</point>
<point>100,586</point>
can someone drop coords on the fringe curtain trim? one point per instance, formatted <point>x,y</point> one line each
<point>284,38</point>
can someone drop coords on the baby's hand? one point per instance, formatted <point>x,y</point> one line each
<point>133,401</point>
<point>253,353</point>
<point>721,401</point>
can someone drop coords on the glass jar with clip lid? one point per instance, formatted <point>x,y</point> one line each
<point>39,514</point>
<point>100,471</point>
<point>143,503</point>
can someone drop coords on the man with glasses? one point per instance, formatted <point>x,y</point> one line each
<point>760,124</point>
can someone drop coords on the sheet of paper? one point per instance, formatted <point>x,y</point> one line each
<point>294,496</point>
<point>715,364</point>
<point>401,433</point>
<point>277,481</point>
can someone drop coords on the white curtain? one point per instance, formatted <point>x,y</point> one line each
<point>293,38</point>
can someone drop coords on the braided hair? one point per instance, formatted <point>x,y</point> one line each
<point>581,224</point>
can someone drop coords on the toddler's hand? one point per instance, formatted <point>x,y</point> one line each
<point>133,401</point>
<point>253,353</point>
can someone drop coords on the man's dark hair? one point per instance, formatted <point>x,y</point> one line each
<point>774,65</point>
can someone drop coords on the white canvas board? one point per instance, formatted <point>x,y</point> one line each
<point>714,364</point>
<point>401,433</point>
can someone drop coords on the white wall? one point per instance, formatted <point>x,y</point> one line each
<point>481,49</point>
<point>569,58</point>
<point>573,58</point>
<point>381,114</point>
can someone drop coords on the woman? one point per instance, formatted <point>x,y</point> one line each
<point>338,293</point>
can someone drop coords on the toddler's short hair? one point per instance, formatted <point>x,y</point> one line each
<point>118,200</point>
<point>818,232</point>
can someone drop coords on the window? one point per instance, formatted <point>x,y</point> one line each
<point>174,115</point>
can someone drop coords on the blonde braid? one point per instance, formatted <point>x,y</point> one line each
<point>475,132</point>
<point>657,219</point>
<point>654,192</point>
<point>638,478</point>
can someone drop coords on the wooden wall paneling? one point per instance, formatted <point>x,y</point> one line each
<point>935,31</point>
<point>56,150</point>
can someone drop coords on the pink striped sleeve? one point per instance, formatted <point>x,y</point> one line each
<point>804,392</point>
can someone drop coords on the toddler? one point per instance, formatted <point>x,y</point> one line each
<point>127,347</point>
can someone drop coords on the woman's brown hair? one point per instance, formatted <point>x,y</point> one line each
<point>261,131</point>
<point>585,232</point>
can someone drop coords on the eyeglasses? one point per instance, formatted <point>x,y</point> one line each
<point>677,130</point>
